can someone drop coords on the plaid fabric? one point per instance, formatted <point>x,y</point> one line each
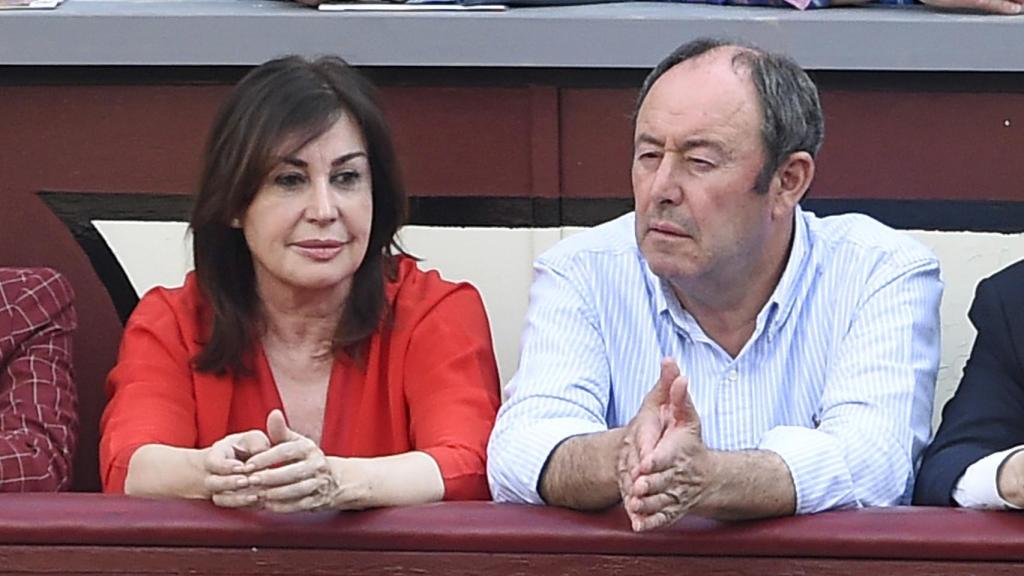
<point>38,418</point>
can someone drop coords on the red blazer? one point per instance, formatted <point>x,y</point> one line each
<point>38,419</point>
<point>430,383</point>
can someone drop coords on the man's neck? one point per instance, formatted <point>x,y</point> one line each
<point>727,308</point>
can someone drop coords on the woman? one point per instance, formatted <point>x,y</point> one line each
<point>302,366</point>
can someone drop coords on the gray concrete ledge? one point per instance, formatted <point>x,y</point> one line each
<point>628,35</point>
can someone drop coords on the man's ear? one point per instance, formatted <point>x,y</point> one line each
<point>791,181</point>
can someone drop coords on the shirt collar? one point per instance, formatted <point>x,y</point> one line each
<point>656,287</point>
<point>788,290</point>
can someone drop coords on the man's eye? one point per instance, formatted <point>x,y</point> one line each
<point>289,180</point>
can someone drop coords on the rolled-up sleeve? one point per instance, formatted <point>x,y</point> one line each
<point>561,388</point>
<point>876,408</point>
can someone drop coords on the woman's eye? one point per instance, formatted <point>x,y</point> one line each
<point>346,177</point>
<point>289,180</point>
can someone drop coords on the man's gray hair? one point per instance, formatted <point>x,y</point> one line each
<point>791,118</point>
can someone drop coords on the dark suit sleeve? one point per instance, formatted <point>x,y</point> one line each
<point>986,414</point>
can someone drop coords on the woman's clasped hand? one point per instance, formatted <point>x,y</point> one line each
<point>280,470</point>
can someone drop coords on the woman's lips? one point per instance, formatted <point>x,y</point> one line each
<point>319,250</point>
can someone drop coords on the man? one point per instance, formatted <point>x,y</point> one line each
<point>38,421</point>
<point>800,352</point>
<point>976,459</point>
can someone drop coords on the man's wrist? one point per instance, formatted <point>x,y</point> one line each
<point>1008,478</point>
<point>746,485</point>
<point>582,471</point>
<point>714,481</point>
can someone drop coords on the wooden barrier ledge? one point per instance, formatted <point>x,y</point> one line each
<point>100,534</point>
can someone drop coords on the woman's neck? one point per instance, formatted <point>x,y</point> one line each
<point>301,322</point>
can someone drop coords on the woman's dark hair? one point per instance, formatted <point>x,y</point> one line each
<point>286,100</point>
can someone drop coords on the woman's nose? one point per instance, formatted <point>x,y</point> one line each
<point>321,205</point>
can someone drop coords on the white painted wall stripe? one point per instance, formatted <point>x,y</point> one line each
<point>498,262</point>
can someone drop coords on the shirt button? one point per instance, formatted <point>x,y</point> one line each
<point>733,375</point>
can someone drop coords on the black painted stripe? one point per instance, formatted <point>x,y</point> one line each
<point>77,209</point>
<point>941,215</point>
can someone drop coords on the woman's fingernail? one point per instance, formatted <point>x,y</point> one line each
<point>241,483</point>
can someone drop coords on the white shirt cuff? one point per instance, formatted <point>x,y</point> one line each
<point>978,487</point>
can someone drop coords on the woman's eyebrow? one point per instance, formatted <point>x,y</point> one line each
<point>298,163</point>
<point>346,157</point>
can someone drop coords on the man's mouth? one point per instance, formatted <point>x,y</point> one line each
<point>668,228</point>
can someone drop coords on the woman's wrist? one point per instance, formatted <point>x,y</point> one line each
<point>196,461</point>
<point>161,471</point>
<point>353,482</point>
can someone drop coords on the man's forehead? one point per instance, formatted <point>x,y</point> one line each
<point>715,70</point>
<point>699,92</point>
<point>706,103</point>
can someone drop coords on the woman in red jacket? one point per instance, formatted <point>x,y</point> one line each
<point>307,363</point>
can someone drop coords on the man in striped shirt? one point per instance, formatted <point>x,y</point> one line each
<point>719,351</point>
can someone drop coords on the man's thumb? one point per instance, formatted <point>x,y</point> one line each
<point>669,372</point>
<point>683,410</point>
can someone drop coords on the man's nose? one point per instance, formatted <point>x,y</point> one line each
<point>667,186</point>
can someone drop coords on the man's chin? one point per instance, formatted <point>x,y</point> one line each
<point>670,267</point>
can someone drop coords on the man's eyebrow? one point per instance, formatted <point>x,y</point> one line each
<point>715,145</point>
<point>701,142</point>
<point>645,138</point>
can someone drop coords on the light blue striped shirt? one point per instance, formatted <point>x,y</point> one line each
<point>838,377</point>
